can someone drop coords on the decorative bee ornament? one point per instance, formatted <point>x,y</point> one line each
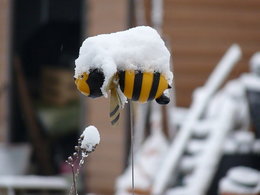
<point>131,64</point>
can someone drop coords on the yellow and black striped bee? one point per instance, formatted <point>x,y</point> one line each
<point>135,85</point>
<point>143,86</point>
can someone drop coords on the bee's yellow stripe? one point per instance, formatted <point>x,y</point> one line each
<point>129,84</point>
<point>146,86</point>
<point>163,84</point>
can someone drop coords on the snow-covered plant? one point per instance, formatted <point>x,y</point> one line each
<point>87,143</point>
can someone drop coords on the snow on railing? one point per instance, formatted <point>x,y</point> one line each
<point>208,160</point>
<point>198,106</point>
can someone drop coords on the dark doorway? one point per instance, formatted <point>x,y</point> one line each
<point>45,107</point>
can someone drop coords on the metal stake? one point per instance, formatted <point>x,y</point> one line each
<point>132,143</point>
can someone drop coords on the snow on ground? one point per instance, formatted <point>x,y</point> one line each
<point>236,182</point>
<point>238,174</point>
<point>91,138</point>
<point>178,191</point>
<point>140,48</point>
<point>147,162</point>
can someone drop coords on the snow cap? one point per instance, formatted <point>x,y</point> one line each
<point>91,138</point>
<point>251,81</point>
<point>244,175</point>
<point>255,63</point>
<point>241,180</point>
<point>140,48</point>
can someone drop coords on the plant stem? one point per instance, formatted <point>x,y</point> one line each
<point>74,180</point>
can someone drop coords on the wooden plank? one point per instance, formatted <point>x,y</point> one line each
<point>198,66</point>
<point>185,84</point>
<point>183,31</point>
<point>183,100</point>
<point>209,48</point>
<point>190,80</point>
<point>100,18</point>
<point>250,22</point>
<point>237,14</point>
<point>252,4</point>
<point>147,11</point>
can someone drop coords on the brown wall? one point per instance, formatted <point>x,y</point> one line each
<point>5,6</point>
<point>106,163</point>
<point>201,31</point>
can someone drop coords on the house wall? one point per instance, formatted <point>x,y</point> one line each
<point>5,7</point>
<point>199,33</point>
<point>107,162</point>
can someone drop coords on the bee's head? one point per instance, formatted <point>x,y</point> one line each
<point>90,84</point>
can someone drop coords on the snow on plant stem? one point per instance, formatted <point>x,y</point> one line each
<point>87,143</point>
<point>91,138</point>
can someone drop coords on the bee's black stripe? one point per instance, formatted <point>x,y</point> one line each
<point>114,111</point>
<point>95,81</point>
<point>155,85</point>
<point>116,119</point>
<point>122,80</point>
<point>137,86</point>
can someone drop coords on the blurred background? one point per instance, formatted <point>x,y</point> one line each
<point>42,114</point>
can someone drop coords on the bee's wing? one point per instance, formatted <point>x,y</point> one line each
<point>114,107</point>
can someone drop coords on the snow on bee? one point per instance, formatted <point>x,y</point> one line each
<point>133,64</point>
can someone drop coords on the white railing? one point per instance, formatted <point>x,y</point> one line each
<point>201,99</point>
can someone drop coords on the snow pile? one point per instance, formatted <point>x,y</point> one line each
<point>147,163</point>
<point>179,114</point>
<point>236,91</point>
<point>241,180</point>
<point>202,128</point>
<point>139,48</point>
<point>244,140</point>
<point>256,146</point>
<point>178,191</point>
<point>241,142</point>
<point>90,138</point>
<point>195,146</point>
<point>255,63</point>
<point>230,146</point>
<point>238,174</point>
<point>251,81</point>
<point>188,163</point>
<point>215,103</point>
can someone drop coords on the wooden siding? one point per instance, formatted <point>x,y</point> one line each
<point>201,31</point>
<point>107,162</point>
<point>5,6</point>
